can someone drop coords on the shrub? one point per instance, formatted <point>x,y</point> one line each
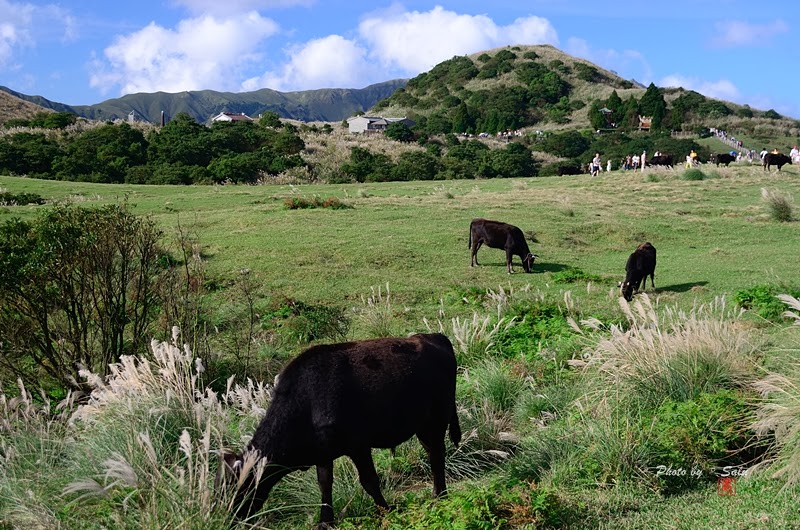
<point>301,203</point>
<point>300,322</point>
<point>78,287</point>
<point>572,275</point>
<point>693,174</point>
<point>763,300</point>
<point>778,416</point>
<point>20,199</point>
<point>779,205</point>
<point>675,356</point>
<point>699,434</point>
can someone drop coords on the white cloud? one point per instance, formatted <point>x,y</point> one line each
<point>231,7</point>
<point>416,41</point>
<point>721,89</point>
<point>630,64</point>
<point>738,33</point>
<point>200,53</point>
<point>23,24</point>
<point>332,61</point>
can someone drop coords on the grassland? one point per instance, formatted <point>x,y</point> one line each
<point>714,237</point>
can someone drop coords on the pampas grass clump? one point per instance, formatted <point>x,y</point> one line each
<point>779,205</point>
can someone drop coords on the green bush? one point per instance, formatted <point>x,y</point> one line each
<point>693,174</point>
<point>20,199</point>
<point>700,434</point>
<point>572,275</point>
<point>762,300</point>
<point>300,322</point>
<point>501,503</point>
<point>301,203</point>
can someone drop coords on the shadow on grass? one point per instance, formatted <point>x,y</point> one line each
<point>681,287</point>
<point>537,267</point>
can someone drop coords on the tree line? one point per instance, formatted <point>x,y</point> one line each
<point>181,152</point>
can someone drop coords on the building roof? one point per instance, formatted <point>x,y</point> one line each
<point>231,116</point>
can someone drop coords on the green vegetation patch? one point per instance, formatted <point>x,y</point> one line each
<point>762,300</point>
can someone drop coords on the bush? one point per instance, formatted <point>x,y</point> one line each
<point>779,205</point>
<point>572,275</point>
<point>78,288</point>
<point>300,322</point>
<point>20,199</point>
<point>301,203</point>
<point>700,434</point>
<point>763,300</point>
<point>693,174</point>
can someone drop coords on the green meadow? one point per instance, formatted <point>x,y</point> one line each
<point>569,399</point>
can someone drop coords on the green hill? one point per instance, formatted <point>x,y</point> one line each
<point>540,86</point>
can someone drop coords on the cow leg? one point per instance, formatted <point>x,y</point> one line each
<point>509,257</point>
<point>368,476</point>
<point>434,446</point>
<point>325,481</point>
<point>475,247</point>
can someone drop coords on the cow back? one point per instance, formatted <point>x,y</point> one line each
<point>373,393</point>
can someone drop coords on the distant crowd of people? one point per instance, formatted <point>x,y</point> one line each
<point>629,163</point>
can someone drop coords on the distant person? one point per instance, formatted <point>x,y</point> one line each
<point>608,166</point>
<point>763,153</point>
<point>643,161</point>
<point>794,154</point>
<point>596,164</point>
<point>635,162</point>
<point>775,151</point>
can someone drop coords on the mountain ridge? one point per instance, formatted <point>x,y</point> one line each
<point>326,104</point>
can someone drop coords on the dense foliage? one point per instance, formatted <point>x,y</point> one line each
<point>77,290</point>
<point>182,152</point>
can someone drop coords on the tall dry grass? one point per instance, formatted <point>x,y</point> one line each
<point>672,353</point>
<point>148,436</point>
<point>778,413</point>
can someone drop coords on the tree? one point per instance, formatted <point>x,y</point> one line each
<point>400,132</point>
<point>103,154</point>
<point>183,141</point>
<point>270,119</point>
<point>77,290</point>
<point>653,104</point>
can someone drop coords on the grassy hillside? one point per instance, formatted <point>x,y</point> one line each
<point>13,107</point>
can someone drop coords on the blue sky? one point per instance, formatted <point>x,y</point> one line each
<point>85,51</point>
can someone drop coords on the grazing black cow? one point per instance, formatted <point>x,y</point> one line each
<point>343,400</point>
<point>776,159</point>
<point>500,235</point>
<point>641,264</point>
<point>568,169</point>
<point>660,160</point>
<point>722,158</point>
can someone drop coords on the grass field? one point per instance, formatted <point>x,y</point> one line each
<point>714,236</point>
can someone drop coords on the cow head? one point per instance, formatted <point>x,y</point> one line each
<point>527,262</point>
<point>626,290</point>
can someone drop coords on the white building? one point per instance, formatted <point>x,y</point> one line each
<point>373,124</point>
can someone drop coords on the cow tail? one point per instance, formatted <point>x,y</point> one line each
<point>455,427</point>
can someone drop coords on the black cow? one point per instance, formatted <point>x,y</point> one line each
<point>722,158</point>
<point>568,169</point>
<point>343,400</point>
<point>660,160</point>
<point>641,264</point>
<point>500,235</point>
<point>776,159</point>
